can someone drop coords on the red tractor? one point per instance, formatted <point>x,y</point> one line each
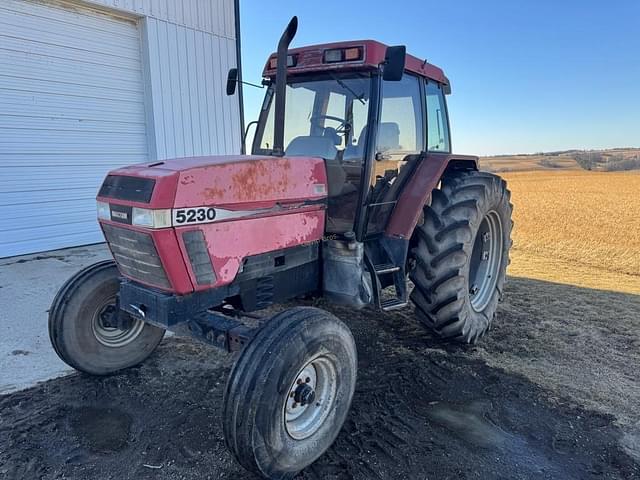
<point>350,192</point>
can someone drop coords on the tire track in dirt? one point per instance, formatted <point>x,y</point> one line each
<point>422,410</point>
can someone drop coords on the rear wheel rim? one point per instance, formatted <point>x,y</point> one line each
<point>303,419</point>
<point>109,336</point>
<point>486,261</point>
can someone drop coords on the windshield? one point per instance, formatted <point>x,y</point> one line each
<point>325,116</point>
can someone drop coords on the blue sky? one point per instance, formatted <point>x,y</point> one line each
<point>527,76</point>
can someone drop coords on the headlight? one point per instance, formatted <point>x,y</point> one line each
<point>103,211</point>
<point>143,217</point>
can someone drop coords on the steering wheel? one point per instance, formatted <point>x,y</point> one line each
<point>341,128</point>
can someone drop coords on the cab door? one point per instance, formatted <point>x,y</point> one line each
<point>400,138</point>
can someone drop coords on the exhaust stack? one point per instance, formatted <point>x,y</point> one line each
<point>281,86</point>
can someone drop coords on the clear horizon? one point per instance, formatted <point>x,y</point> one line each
<point>527,78</point>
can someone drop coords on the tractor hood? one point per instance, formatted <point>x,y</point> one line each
<point>232,182</point>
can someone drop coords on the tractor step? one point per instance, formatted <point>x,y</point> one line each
<point>386,268</point>
<point>388,271</point>
<point>393,304</point>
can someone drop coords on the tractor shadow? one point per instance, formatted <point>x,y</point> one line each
<point>423,408</point>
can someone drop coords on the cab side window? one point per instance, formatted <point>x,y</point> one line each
<point>400,129</point>
<point>437,125</point>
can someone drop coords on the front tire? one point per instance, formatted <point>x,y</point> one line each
<point>80,324</point>
<point>289,392</point>
<point>461,253</point>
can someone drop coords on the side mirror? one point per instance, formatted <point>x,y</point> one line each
<point>394,59</point>
<point>232,81</point>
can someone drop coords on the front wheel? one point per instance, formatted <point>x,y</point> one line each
<point>289,392</point>
<point>461,253</point>
<point>86,330</point>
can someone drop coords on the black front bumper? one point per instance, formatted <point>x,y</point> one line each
<point>164,309</point>
<point>189,315</point>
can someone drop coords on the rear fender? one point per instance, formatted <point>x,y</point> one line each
<point>417,192</point>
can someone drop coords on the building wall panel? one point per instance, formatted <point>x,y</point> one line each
<point>186,76</point>
<point>210,16</point>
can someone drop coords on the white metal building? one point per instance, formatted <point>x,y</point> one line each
<point>89,85</point>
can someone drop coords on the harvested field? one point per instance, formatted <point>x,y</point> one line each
<point>526,163</point>
<point>577,227</point>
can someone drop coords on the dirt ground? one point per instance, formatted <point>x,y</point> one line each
<point>551,393</point>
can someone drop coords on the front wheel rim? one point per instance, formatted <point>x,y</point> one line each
<point>113,337</point>
<point>486,261</point>
<point>311,397</point>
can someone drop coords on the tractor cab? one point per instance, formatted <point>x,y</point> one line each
<point>368,111</point>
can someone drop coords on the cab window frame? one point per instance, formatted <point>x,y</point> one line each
<point>444,115</point>
<point>421,143</point>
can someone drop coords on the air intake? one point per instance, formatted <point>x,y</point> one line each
<point>199,257</point>
<point>121,187</point>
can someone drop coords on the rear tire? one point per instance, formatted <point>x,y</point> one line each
<point>289,392</point>
<point>461,253</point>
<point>78,331</point>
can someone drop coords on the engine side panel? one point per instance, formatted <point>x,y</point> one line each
<point>229,243</point>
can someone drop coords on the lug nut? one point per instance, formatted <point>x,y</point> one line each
<point>307,380</point>
<point>299,381</point>
<point>294,405</point>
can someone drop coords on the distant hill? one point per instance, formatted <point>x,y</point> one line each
<point>615,159</point>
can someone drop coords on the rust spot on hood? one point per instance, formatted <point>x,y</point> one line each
<point>213,193</point>
<point>187,180</point>
<point>259,181</point>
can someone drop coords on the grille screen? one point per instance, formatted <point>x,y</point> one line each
<point>199,257</point>
<point>136,255</point>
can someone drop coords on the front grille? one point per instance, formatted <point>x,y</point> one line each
<point>136,255</point>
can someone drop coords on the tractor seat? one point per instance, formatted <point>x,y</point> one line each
<point>333,135</point>
<point>356,152</point>
<point>388,137</point>
<point>308,146</point>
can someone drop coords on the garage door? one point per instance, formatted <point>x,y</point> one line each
<point>71,108</point>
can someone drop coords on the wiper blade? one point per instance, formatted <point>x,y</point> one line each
<point>359,97</point>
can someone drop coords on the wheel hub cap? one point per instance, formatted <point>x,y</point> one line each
<point>486,261</point>
<point>310,398</point>
<point>105,329</point>
<point>304,395</point>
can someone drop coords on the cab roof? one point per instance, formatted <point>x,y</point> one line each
<point>312,59</point>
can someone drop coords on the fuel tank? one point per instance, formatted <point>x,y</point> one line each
<point>187,224</point>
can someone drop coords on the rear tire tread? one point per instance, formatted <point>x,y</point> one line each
<point>442,248</point>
